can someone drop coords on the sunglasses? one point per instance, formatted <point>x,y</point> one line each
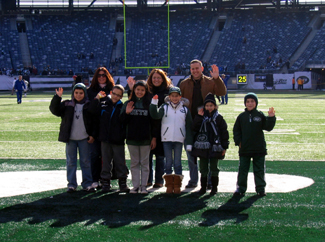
<point>101,75</point>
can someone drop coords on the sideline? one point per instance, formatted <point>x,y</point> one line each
<point>25,182</point>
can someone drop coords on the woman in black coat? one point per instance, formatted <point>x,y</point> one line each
<point>102,81</point>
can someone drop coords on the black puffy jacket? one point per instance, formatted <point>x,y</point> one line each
<point>65,110</point>
<point>111,129</point>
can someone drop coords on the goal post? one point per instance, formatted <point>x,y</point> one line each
<point>125,43</point>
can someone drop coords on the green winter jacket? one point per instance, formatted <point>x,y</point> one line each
<point>248,131</point>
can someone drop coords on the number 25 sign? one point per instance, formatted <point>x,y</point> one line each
<point>241,79</point>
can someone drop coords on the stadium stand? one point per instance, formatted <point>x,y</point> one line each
<point>263,31</point>
<point>189,36</point>
<point>315,50</point>
<point>66,41</point>
<point>9,45</point>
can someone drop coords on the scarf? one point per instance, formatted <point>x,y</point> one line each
<point>202,139</point>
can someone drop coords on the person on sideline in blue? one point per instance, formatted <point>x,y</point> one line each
<point>176,126</point>
<point>225,78</point>
<point>111,133</point>
<point>76,132</point>
<point>195,88</point>
<point>19,88</point>
<point>210,143</point>
<point>249,136</point>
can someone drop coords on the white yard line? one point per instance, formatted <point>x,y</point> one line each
<point>20,183</point>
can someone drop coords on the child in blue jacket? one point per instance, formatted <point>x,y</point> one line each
<point>112,136</point>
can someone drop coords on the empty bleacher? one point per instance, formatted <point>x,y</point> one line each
<point>263,31</point>
<point>56,41</point>
<point>9,45</point>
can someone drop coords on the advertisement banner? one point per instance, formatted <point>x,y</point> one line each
<point>306,77</point>
<point>282,81</point>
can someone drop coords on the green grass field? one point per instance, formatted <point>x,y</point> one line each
<point>296,146</point>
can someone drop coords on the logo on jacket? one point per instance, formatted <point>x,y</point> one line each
<point>202,137</point>
<point>257,119</point>
<point>139,112</point>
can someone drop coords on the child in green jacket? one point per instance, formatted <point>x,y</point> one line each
<point>249,136</point>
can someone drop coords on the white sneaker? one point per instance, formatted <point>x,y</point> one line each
<point>144,191</point>
<point>134,190</point>
<point>94,185</point>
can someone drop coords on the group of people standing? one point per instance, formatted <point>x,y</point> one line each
<point>157,120</point>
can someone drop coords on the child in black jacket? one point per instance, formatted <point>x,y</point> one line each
<point>210,143</point>
<point>76,132</point>
<point>112,135</point>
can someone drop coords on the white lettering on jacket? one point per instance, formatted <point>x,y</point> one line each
<point>139,112</point>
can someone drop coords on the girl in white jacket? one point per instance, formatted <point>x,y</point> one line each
<point>175,129</point>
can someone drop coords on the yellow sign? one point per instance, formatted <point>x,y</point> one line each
<point>241,79</point>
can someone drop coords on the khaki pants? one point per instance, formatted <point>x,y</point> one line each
<point>139,165</point>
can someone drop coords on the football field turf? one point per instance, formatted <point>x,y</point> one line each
<point>295,147</point>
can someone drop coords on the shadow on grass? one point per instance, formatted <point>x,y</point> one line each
<point>111,209</point>
<point>232,209</point>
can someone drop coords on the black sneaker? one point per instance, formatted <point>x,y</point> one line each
<point>158,185</point>
<point>71,190</point>
<point>239,194</point>
<point>190,186</point>
<point>106,189</point>
<point>261,194</point>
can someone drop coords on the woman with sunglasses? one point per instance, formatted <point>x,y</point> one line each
<point>102,81</point>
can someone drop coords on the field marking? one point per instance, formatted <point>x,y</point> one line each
<point>26,182</point>
<point>283,131</point>
<point>242,104</point>
<point>241,110</point>
<point>37,100</point>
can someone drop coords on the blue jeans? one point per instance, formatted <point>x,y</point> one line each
<point>224,98</point>
<point>19,95</point>
<point>160,168</point>
<point>72,148</point>
<point>192,165</point>
<point>177,147</point>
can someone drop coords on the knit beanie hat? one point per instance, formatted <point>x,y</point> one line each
<point>80,86</point>
<point>210,98</point>
<point>251,95</point>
